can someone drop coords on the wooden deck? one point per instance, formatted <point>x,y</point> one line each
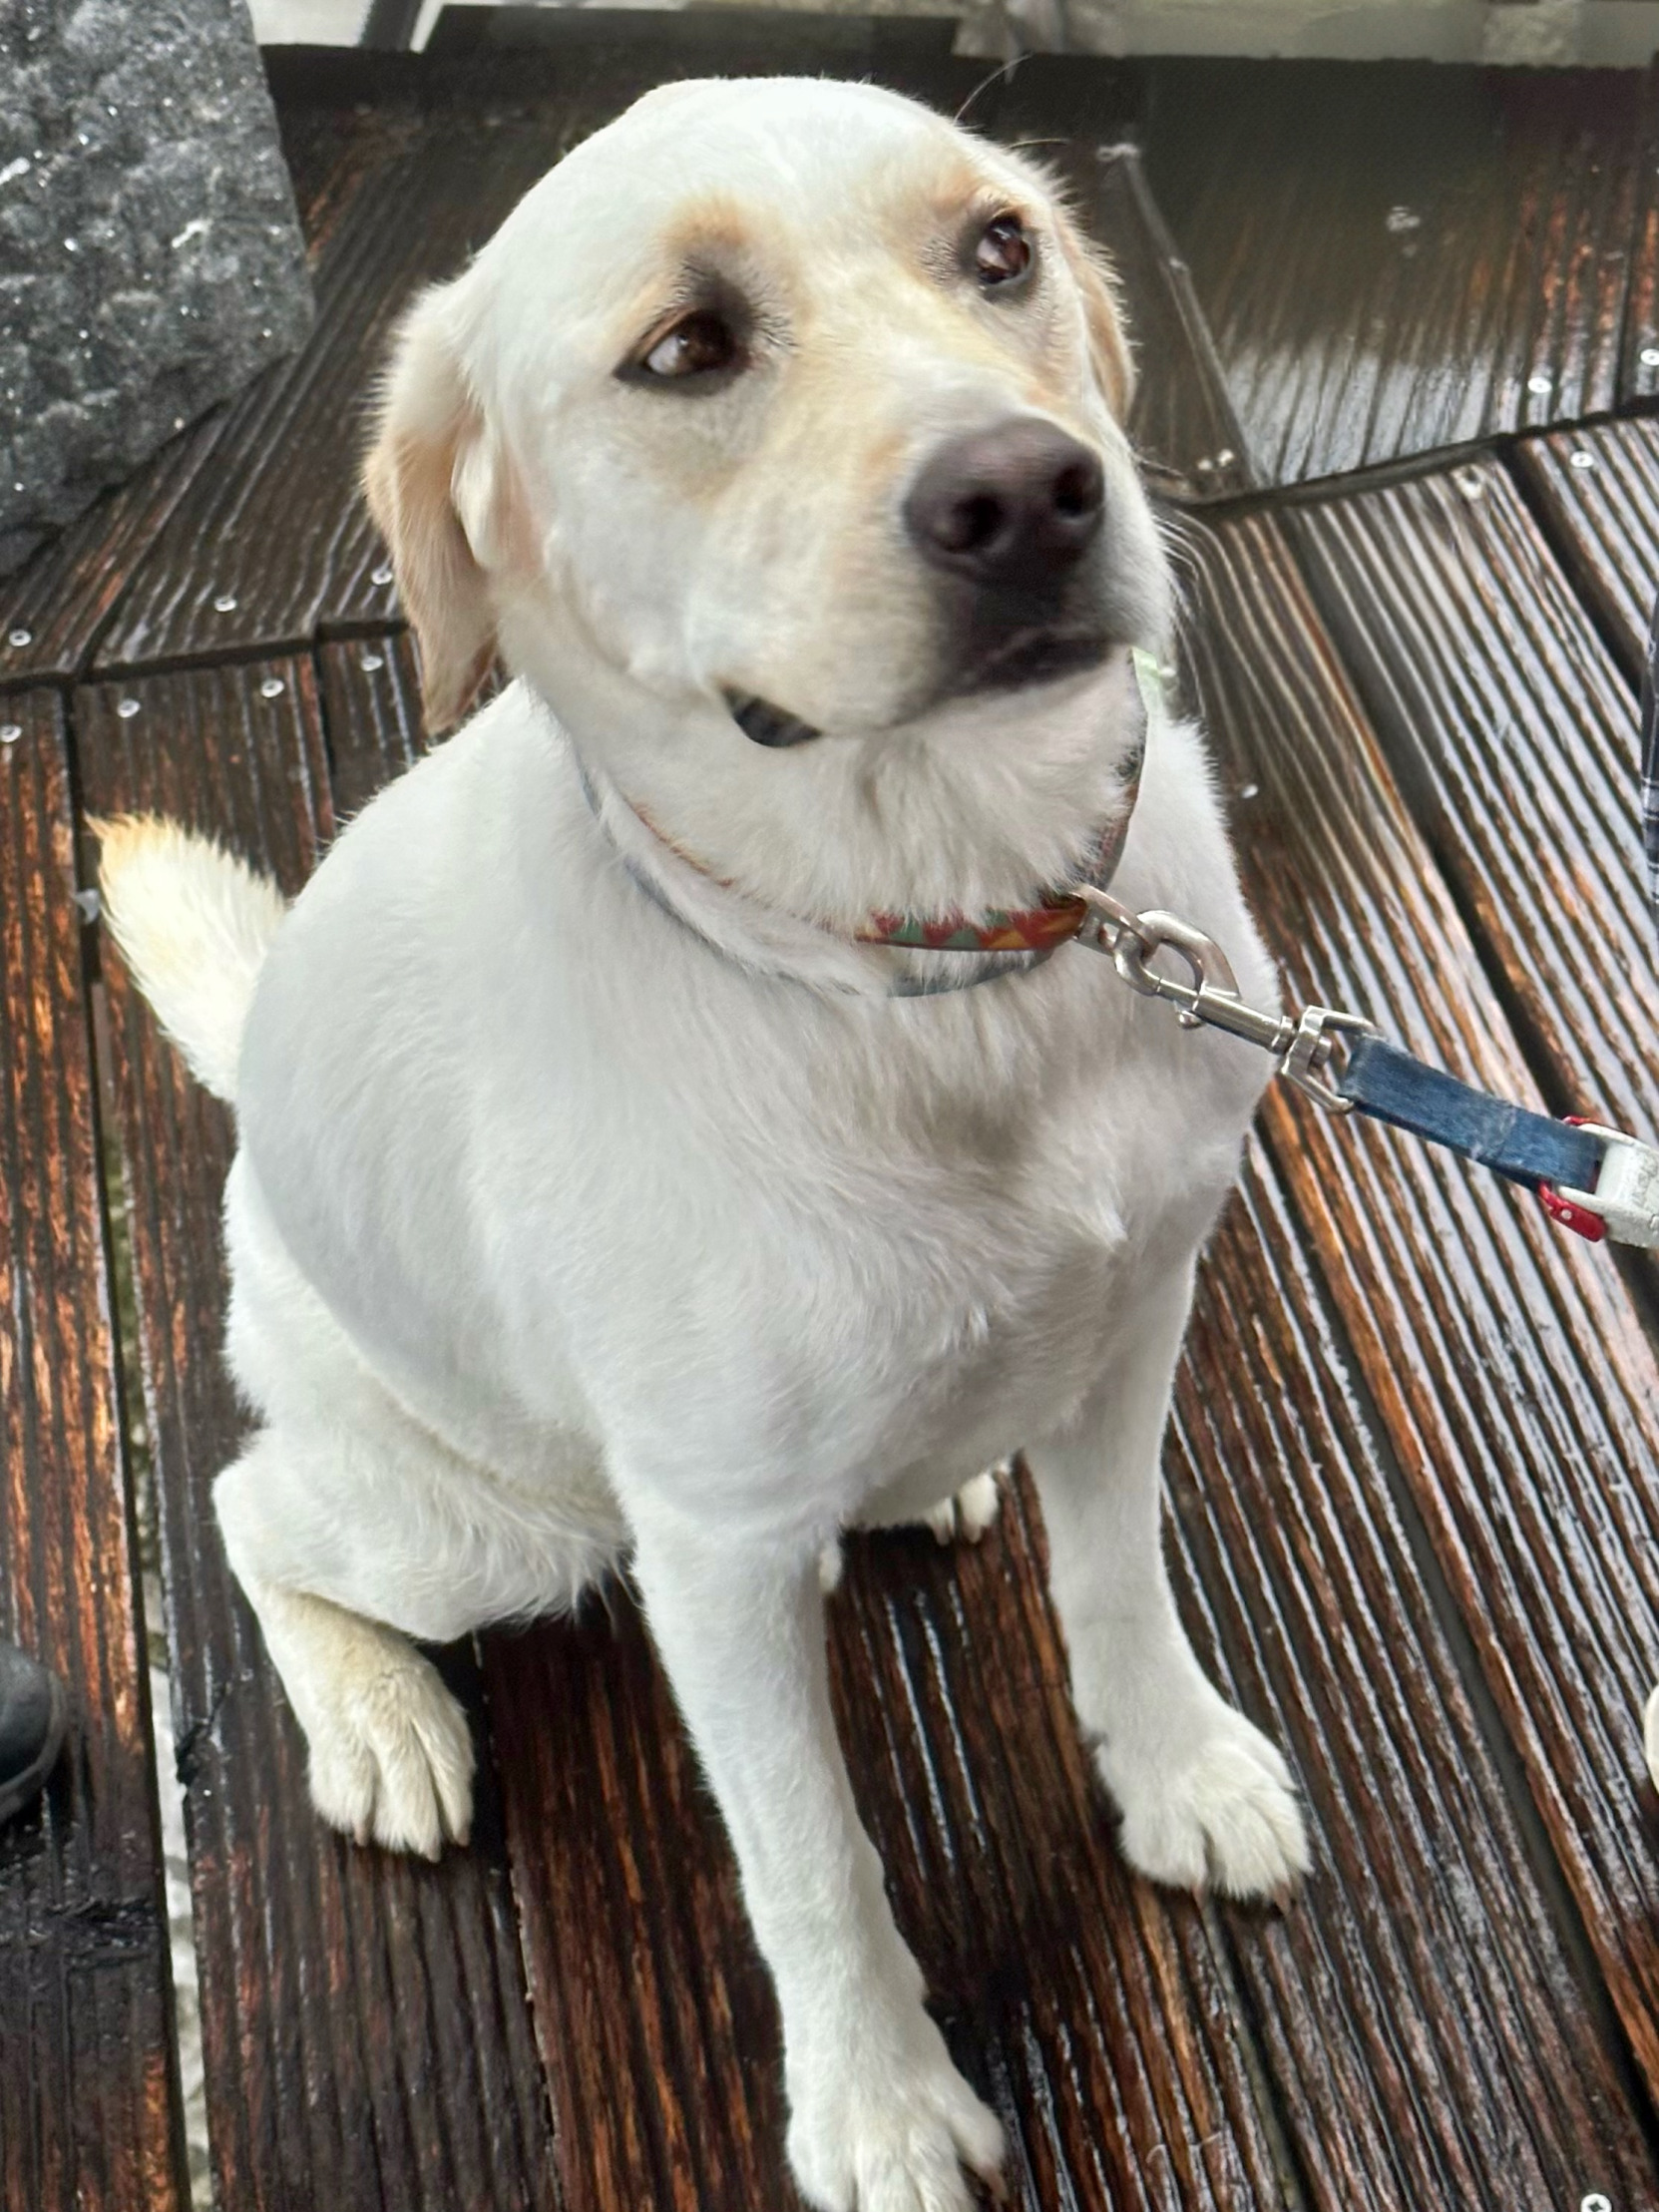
<point>1400,328</point>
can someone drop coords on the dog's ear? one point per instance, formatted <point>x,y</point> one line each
<point>432,482</point>
<point>1109,346</point>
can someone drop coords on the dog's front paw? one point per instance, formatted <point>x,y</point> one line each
<point>391,1752</point>
<point>1217,1810</point>
<point>869,2138</point>
<point>972,1511</point>
<point>966,1515</point>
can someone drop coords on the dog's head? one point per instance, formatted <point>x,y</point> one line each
<point>781,408</point>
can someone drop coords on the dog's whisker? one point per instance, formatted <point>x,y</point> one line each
<point>1003,68</point>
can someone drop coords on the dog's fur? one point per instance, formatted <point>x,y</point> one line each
<point>595,1200</point>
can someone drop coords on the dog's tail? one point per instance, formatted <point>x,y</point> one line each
<point>194,924</point>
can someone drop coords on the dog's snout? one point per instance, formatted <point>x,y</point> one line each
<point>1017,504</point>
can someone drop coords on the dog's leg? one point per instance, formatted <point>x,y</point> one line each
<point>1205,1797</point>
<point>391,1755</point>
<point>880,2118</point>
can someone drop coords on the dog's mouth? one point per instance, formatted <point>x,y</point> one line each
<point>1041,654</point>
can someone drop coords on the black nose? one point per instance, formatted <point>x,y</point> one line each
<point>1017,504</point>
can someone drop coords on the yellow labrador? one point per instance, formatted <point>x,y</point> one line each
<point>624,1170</point>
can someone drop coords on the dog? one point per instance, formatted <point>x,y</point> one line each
<point>630,1168</point>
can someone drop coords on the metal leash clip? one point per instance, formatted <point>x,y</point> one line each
<point>1209,995</point>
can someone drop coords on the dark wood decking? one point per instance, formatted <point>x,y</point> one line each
<point>1414,1515</point>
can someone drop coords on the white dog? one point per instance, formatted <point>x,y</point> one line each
<point>610,1183</point>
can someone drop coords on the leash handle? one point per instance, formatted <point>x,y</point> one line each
<point>1594,1181</point>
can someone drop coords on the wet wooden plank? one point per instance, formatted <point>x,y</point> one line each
<point>1430,2033</point>
<point>1515,738</point>
<point>1079,116</point>
<point>371,705</point>
<point>52,608</point>
<point>1399,257</point>
<point>1094,2013</point>
<point>1518,1395</point>
<point>366,2036</point>
<point>1598,490</point>
<point>88,2117</point>
<point>1639,363</point>
<point>341,113</point>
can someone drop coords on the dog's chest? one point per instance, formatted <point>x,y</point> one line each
<point>921,1269</point>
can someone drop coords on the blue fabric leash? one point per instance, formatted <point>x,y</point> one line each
<point>1388,1084</point>
<point>1594,1181</point>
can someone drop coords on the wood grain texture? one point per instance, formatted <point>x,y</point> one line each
<point>1598,491</point>
<point>87,2088</point>
<point>371,708</point>
<point>1425,2022</point>
<point>342,114</point>
<point>366,2036</point>
<point>1399,257</point>
<point>1639,359</point>
<point>1515,739</point>
<point>1520,1398</point>
<point>1079,116</point>
<point>1095,2013</point>
<point>52,609</point>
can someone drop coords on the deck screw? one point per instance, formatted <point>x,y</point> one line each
<point>1581,460</point>
<point>1470,482</point>
<point>225,604</point>
<point>271,687</point>
<point>127,709</point>
<point>1596,2202</point>
<point>372,660</point>
<point>10,732</point>
<point>1543,385</point>
<point>1248,790</point>
<point>20,638</point>
<point>1649,356</point>
<point>381,575</point>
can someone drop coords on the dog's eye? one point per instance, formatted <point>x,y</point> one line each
<point>697,346</point>
<point>1003,253</point>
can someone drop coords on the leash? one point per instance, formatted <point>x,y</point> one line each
<point>1599,1182</point>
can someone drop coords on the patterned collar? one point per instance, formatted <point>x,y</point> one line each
<point>1035,932</point>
